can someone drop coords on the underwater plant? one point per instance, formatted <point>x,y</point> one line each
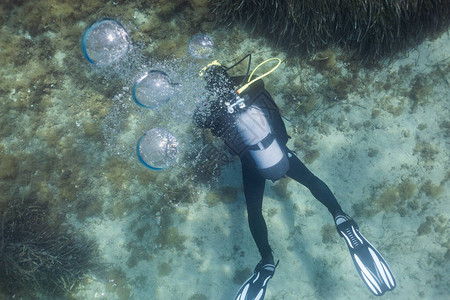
<point>39,254</point>
<point>367,28</point>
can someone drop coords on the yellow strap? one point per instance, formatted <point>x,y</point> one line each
<point>259,77</point>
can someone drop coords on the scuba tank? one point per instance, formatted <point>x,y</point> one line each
<point>256,134</point>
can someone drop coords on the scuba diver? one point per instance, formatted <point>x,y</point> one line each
<point>250,124</point>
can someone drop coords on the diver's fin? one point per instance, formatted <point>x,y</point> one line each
<point>371,266</point>
<point>254,288</point>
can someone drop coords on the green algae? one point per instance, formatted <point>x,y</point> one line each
<point>340,87</point>
<point>426,151</point>
<point>398,197</point>
<point>407,189</point>
<point>432,190</point>
<point>393,105</point>
<point>324,60</point>
<point>272,212</point>
<point>372,152</point>
<point>118,283</point>
<point>198,297</point>
<point>389,198</point>
<point>425,227</point>
<point>88,207</point>
<point>40,253</point>
<point>328,233</point>
<point>142,230</point>
<point>119,208</point>
<point>445,126</point>
<point>311,155</point>
<point>8,166</point>
<point>170,238</point>
<point>375,113</point>
<point>438,224</point>
<point>174,193</point>
<point>420,91</point>
<point>164,269</point>
<point>138,254</point>
<point>306,144</point>
<point>281,188</point>
<point>224,194</point>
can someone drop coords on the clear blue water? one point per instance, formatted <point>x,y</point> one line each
<point>378,137</point>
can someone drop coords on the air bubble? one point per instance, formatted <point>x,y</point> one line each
<point>153,89</point>
<point>200,46</point>
<point>105,42</point>
<point>157,149</point>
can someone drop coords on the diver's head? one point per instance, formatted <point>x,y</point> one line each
<point>218,82</point>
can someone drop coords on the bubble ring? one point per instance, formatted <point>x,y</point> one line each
<point>200,46</point>
<point>147,75</point>
<point>91,28</point>
<point>170,148</point>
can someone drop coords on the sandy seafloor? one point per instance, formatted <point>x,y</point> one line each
<point>378,137</point>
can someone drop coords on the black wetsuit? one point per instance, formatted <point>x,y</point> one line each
<point>212,115</point>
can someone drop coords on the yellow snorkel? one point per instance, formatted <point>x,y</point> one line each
<point>235,100</point>
<point>249,81</point>
<point>238,100</point>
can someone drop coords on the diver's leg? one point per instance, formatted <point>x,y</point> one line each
<point>369,263</point>
<point>300,173</point>
<point>255,286</point>
<point>254,192</point>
